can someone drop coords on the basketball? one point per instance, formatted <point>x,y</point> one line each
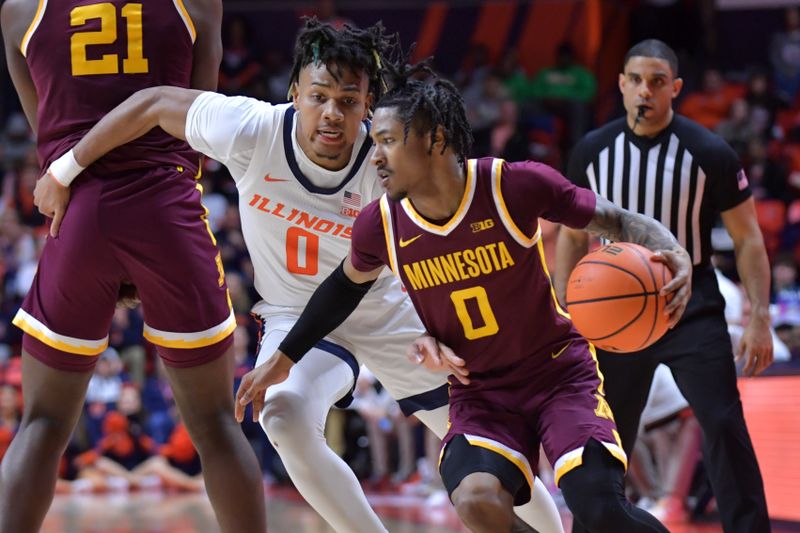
<point>612,296</point>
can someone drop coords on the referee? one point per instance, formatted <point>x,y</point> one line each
<point>661,164</point>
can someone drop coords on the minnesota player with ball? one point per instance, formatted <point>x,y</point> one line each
<point>463,237</point>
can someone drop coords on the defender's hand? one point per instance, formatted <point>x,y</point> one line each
<point>437,357</point>
<point>255,383</point>
<point>52,199</point>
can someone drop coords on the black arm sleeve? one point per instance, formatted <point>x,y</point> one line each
<point>334,300</point>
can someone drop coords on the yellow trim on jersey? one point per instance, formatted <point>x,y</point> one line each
<point>502,209</point>
<point>571,460</point>
<point>388,233</point>
<point>466,201</point>
<point>514,456</point>
<point>593,352</point>
<point>73,345</point>
<point>540,246</point>
<point>191,340</point>
<point>187,19</point>
<point>37,19</point>
<point>204,216</point>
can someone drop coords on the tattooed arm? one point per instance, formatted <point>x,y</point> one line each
<point>617,224</point>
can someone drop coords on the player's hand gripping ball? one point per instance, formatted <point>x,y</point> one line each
<point>613,297</point>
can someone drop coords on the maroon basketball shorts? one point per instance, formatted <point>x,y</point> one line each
<point>553,399</point>
<point>147,230</point>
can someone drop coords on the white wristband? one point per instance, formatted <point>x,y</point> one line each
<point>65,169</point>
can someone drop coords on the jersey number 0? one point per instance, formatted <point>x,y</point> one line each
<point>134,63</point>
<point>489,321</point>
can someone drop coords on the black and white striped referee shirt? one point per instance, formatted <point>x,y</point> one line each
<point>684,177</point>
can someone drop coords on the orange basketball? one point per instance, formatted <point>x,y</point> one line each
<point>612,296</point>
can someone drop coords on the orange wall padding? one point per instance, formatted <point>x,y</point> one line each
<point>772,411</point>
<point>430,30</point>
<point>494,23</point>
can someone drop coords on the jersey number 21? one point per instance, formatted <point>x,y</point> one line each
<point>134,63</point>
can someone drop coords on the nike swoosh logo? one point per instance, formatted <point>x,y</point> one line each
<point>555,355</point>
<point>403,243</point>
<point>269,178</point>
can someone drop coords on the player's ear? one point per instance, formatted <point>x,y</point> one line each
<point>293,94</point>
<point>368,107</point>
<point>677,85</point>
<point>437,140</point>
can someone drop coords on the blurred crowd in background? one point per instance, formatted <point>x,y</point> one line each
<point>130,435</point>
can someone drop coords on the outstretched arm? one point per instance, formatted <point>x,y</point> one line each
<point>166,107</point>
<point>334,300</point>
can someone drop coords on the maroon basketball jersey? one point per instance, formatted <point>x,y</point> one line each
<point>479,281</point>
<point>86,57</point>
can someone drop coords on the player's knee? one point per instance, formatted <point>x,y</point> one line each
<point>217,431</point>
<point>283,417</point>
<point>598,513</point>
<point>479,505</point>
<point>50,431</point>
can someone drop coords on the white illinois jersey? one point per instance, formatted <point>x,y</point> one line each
<point>304,221</point>
<point>297,221</point>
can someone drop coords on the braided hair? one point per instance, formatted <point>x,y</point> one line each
<point>426,102</point>
<point>359,50</point>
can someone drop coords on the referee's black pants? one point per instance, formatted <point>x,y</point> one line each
<point>699,354</point>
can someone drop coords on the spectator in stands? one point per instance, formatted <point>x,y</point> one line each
<point>483,102</point>
<point>125,336</point>
<point>738,129</point>
<point>768,175</point>
<point>515,79</point>
<point>710,105</point>
<point>10,406</point>
<point>16,141</point>
<point>279,71</point>
<point>567,90</point>
<point>176,464</point>
<point>383,418</point>
<point>764,103</point>
<point>159,405</point>
<point>474,68</point>
<point>784,55</point>
<point>105,387</point>
<point>240,71</point>
<point>667,452</point>
<point>509,139</point>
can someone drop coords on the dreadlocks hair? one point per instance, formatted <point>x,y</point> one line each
<point>426,102</point>
<point>349,48</point>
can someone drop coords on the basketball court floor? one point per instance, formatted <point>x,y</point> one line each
<point>157,512</point>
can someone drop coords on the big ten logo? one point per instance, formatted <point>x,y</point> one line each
<point>482,225</point>
<point>612,249</point>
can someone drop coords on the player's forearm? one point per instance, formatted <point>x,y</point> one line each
<point>334,300</point>
<point>754,271</point>
<point>571,245</point>
<point>140,113</point>
<point>617,224</point>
